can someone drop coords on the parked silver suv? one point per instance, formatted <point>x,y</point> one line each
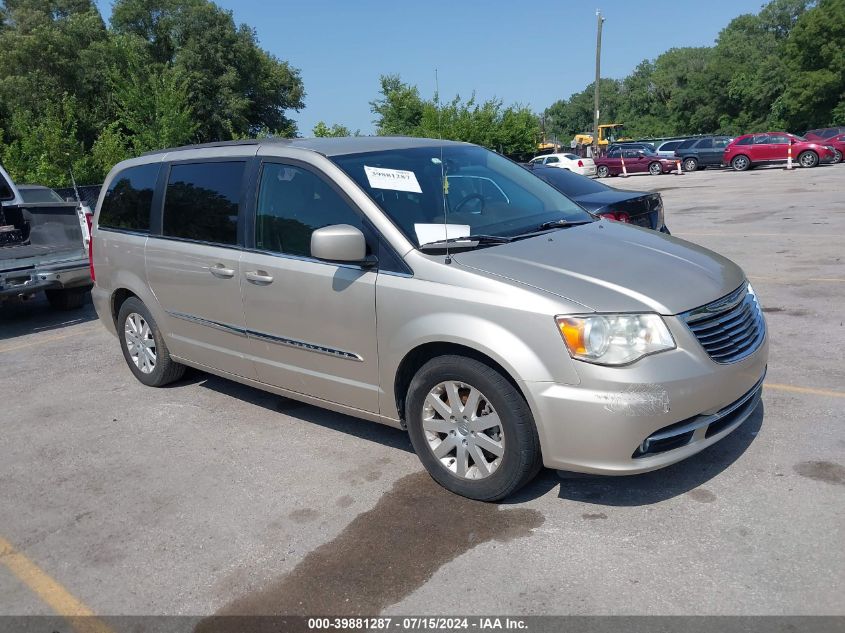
<point>433,286</point>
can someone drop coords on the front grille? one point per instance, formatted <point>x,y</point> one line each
<point>731,328</point>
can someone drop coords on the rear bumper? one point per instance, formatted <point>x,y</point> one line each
<point>56,276</point>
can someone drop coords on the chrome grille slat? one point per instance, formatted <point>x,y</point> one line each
<point>729,329</point>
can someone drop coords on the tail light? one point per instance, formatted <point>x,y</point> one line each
<point>89,218</point>
<point>580,163</point>
<point>618,216</point>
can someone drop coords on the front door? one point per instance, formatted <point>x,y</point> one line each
<point>192,267</point>
<point>311,323</point>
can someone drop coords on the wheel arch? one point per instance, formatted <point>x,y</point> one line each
<point>421,354</point>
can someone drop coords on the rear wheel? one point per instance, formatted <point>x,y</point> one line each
<point>690,164</point>
<point>740,163</point>
<point>66,298</point>
<point>143,346</point>
<point>602,171</point>
<point>808,159</point>
<point>655,169</point>
<point>471,428</point>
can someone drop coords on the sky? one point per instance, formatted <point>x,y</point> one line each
<point>530,53</point>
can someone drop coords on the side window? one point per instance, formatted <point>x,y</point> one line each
<point>536,161</point>
<point>745,141</point>
<point>292,204</point>
<point>616,153</point>
<point>761,139</point>
<point>720,143</point>
<point>631,153</point>
<point>201,202</point>
<point>552,159</point>
<point>705,143</point>
<point>126,204</point>
<point>779,139</point>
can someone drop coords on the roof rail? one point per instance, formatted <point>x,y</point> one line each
<point>248,141</point>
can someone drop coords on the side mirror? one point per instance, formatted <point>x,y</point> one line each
<point>339,243</point>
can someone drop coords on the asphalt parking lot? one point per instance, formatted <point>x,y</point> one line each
<point>209,497</point>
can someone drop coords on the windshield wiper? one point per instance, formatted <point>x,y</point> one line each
<point>553,224</point>
<point>467,241</point>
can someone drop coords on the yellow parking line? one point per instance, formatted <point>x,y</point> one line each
<point>810,390</point>
<point>80,617</point>
<point>44,339</point>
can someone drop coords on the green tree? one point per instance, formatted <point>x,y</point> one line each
<point>233,85</point>
<point>321,129</point>
<point>815,50</point>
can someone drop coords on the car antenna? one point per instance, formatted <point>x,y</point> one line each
<point>444,184</point>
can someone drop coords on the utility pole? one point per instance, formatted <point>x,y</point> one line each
<point>600,21</point>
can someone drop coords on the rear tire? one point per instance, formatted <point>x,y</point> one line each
<point>690,164</point>
<point>145,352</point>
<point>66,298</point>
<point>512,436</point>
<point>808,159</point>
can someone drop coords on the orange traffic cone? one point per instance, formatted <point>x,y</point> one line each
<point>789,156</point>
<point>679,172</point>
<point>624,171</point>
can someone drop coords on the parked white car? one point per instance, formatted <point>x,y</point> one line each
<point>571,162</point>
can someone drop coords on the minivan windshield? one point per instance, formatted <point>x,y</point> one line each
<point>435,193</point>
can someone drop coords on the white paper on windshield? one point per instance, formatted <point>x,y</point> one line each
<point>394,179</point>
<point>427,233</point>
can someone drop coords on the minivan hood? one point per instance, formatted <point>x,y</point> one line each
<point>612,267</point>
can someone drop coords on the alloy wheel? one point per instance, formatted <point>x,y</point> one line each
<point>463,430</point>
<point>140,342</point>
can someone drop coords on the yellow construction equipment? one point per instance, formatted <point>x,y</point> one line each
<point>608,133</point>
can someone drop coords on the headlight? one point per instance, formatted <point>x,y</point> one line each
<point>614,339</point>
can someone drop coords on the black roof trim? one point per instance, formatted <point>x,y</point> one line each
<point>239,142</point>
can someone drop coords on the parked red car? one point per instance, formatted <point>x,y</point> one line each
<point>637,161</point>
<point>838,144</point>
<point>768,148</point>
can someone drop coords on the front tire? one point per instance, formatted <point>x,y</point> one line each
<point>690,164</point>
<point>740,163</point>
<point>837,156</point>
<point>143,346</point>
<point>808,159</point>
<point>471,428</point>
<point>602,171</point>
<point>655,169</point>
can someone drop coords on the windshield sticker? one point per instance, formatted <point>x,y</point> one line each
<point>393,179</point>
<point>427,233</point>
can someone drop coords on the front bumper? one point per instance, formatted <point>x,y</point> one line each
<point>26,281</point>
<point>653,413</point>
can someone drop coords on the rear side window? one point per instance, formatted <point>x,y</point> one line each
<point>126,205</point>
<point>745,141</point>
<point>292,204</point>
<point>721,143</point>
<point>705,143</point>
<point>552,159</point>
<point>201,202</point>
<point>688,143</point>
<point>668,147</point>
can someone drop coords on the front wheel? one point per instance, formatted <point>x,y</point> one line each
<point>602,171</point>
<point>471,428</point>
<point>837,156</point>
<point>808,159</point>
<point>655,169</point>
<point>740,163</point>
<point>690,164</point>
<point>143,346</point>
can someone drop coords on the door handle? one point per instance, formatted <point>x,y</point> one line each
<point>219,270</point>
<point>259,277</point>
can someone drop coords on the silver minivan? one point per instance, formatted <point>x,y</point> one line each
<point>432,286</point>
